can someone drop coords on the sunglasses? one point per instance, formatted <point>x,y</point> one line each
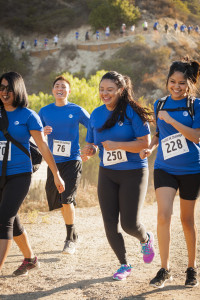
<point>6,87</point>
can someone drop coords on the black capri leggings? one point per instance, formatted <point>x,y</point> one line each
<point>11,198</point>
<point>122,192</point>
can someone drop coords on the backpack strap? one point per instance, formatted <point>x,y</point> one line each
<point>190,105</point>
<point>160,105</point>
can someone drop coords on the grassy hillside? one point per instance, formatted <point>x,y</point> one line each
<point>45,16</point>
<point>42,16</point>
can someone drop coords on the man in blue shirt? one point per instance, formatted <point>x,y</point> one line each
<point>61,124</point>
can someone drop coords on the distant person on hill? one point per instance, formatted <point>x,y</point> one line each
<point>45,42</point>
<point>120,129</point>
<point>15,177</point>
<point>77,35</point>
<point>197,29</point>
<point>145,25</point>
<point>61,121</point>
<point>97,35</point>
<point>175,26</point>
<point>132,29</point>
<point>155,26</point>
<point>35,43</point>
<point>166,28</point>
<point>107,32</point>
<point>189,28</point>
<point>22,45</point>
<point>177,164</point>
<point>182,28</point>
<point>55,40</point>
<point>87,36</point>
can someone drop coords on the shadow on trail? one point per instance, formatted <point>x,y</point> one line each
<point>142,296</point>
<point>40,294</point>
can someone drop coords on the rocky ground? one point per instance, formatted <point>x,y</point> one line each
<point>88,273</point>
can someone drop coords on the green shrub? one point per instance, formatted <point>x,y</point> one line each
<point>112,13</point>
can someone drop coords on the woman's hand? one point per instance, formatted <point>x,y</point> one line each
<point>110,145</point>
<point>145,153</point>
<point>163,115</point>
<point>87,151</point>
<point>47,130</point>
<point>59,183</point>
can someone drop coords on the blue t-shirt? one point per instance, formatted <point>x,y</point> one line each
<point>64,139</point>
<point>185,163</point>
<point>21,121</point>
<point>129,130</point>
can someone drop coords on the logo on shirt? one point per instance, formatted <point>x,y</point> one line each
<point>185,113</point>
<point>70,116</point>
<point>16,122</point>
<point>120,123</point>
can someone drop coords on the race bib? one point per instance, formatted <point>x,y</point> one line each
<point>174,145</point>
<point>3,148</point>
<point>62,148</point>
<point>114,157</point>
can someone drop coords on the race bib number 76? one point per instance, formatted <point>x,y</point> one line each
<point>62,148</point>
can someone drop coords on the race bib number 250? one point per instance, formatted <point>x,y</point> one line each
<point>174,145</point>
<point>114,157</point>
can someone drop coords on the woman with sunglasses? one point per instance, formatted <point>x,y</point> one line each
<point>23,123</point>
<point>177,164</point>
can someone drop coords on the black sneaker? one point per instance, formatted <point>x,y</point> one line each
<point>27,266</point>
<point>191,277</point>
<point>161,277</point>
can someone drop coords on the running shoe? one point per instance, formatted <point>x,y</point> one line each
<point>27,266</point>
<point>148,249</point>
<point>69,247</point>
<point>122,272</point>
<point>191,277</point>
<point>161,277</point>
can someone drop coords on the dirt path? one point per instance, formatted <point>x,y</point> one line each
<point>87,274</point>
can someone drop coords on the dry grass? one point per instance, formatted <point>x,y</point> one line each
<point>36,198</point>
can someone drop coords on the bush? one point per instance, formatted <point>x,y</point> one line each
<point>112,13</point>
<point>12,61</point>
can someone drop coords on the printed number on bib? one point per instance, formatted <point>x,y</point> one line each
<point>174,145</point>
<point>114,157</point>
<point>62,148</point>
<point>3,148</point>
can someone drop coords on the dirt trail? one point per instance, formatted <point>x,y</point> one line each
<point>87,274</point>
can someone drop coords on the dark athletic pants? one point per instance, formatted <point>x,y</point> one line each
<point>122,192</point>
<point>11,198</point>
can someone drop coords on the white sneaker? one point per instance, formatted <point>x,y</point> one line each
<point>69,247</point>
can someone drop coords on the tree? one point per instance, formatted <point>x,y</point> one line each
<point>112,13</point>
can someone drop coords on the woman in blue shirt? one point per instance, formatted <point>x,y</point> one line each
<point>177,164</point>
<point>61,121</point>
<point>23,123</point>
<point>120,130</point>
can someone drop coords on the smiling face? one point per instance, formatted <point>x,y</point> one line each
<point>177,86</point>
<point>109,93</point>
<point>61,90</point>
<point>6,95</point>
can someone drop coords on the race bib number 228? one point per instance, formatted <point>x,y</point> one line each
<point>174,145</point>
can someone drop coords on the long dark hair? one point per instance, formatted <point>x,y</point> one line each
<point>189,68</point>
<point>17,85</point>
<point>119,113</point>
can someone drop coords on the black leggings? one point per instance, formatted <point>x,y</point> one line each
<point>11,198</point>
<point>122,192</point>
